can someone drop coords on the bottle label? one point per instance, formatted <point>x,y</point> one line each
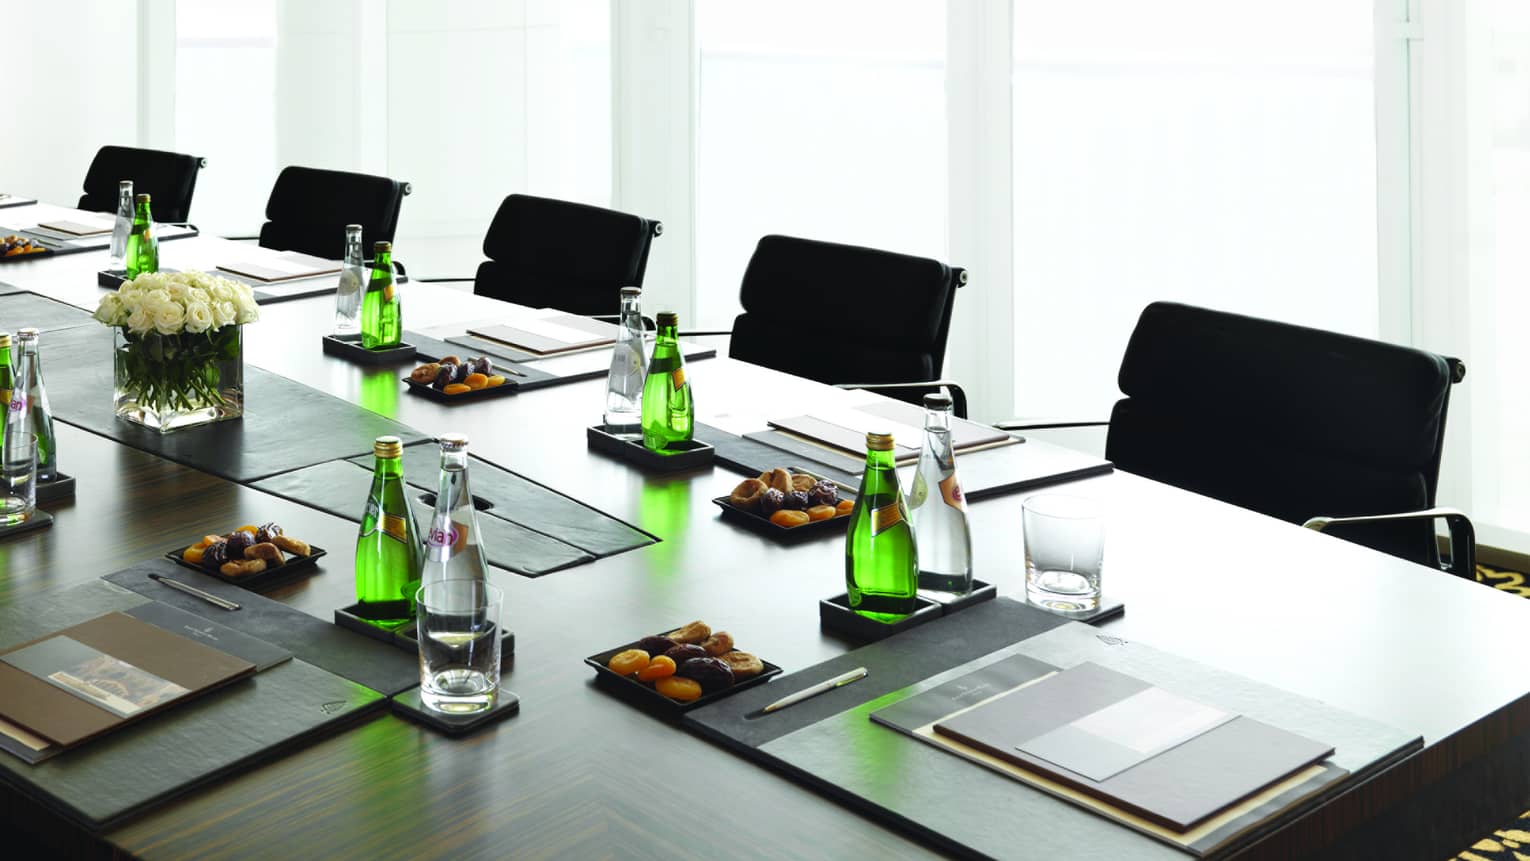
<point>951,492</point>
<point>677,377</point>
<point>18,401</point>
<point>885,517</point>
<point>396,526</point>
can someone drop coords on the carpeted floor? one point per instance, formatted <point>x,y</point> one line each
<point>1512,841</point>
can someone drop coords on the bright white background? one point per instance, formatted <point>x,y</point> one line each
<point>1360,165</point>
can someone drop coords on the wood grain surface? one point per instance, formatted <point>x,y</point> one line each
<point>579,773</point>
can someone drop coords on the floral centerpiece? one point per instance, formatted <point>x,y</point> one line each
<point>178,356</point>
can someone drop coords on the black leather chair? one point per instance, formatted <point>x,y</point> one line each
<point>170,178</point>
<point>848,316</point>
<point>548,253</point>
<point>1312,427</point>
<point>309,209</point>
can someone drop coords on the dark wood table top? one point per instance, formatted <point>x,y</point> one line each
<point>579,773</point>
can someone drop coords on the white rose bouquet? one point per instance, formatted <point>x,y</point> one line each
<point>176,331</point>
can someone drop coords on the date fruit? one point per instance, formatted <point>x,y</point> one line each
<point>711,673</point>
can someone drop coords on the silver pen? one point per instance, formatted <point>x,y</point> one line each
<point>195,592</point>
<point>854,675</point>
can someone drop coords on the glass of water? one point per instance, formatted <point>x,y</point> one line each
<point>459,645</point>
<point>18,480</point>
<point>1064,552</point>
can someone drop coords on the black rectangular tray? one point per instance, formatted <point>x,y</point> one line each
<point>429,392</point>
<point>355,618</point>
<point>646,693</point>
<point>294,566</point>
<point>349,347</point>
<point>834,614</point>
<point>950,604</point>
<point>61,487</point>
<point>696,455</point>
<point>117,277</point>
<point>39,520</point>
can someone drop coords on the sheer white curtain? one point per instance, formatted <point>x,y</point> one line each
<point>1217,152</point>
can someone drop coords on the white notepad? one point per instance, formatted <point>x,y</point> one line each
<point>287,266</point>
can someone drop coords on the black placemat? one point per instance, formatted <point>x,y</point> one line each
<point>520,500</point>
<point>892,664</point>
<point>134,768</point>
<point>286,425</point>
<point>340,488</point>
<point>21,309</point>
<point>318,641</point>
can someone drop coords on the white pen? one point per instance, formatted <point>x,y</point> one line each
<point>808,693</point>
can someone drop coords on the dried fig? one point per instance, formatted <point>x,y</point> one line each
<point>781,480</point>
<point>695,632</point>
<point>747,494</point>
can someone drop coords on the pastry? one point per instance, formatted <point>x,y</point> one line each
<point>719,642</point>
<point>781,480</point>
<point>243,567</point>
<point>295,546</point>
<point>265,550</point>
<point>747,494</point>
<point>743,664</point>
<point>695,632</point>
<point>803,482</point>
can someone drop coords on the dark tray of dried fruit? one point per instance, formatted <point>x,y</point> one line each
<point>685,668</point>
<point>15,247</point>
<point>250,556</point>
<point>787,504</point>
<point>454,381</point>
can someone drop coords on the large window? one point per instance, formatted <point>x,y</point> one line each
<point>1217,152</point>
<point>824,120</point>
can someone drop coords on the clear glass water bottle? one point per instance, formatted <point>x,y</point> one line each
<point>124,224</point>
<point>453,546</point>
<point>30,377</point>
<point>938,509</point>
<point>624,385</point>
<point>352,281</point>
<point>18,455</point>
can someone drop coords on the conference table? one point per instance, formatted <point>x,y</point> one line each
<point>579,773</point>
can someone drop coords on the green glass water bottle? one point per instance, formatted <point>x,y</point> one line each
<point>669,412</point>
<point>382,316</point>
<point>881,558</point>
<point>389,555</point>
<point>142,244</point>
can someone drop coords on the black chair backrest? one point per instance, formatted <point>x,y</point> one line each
<point>169,178</point>
<point>843,313</point>
<point>309,209</point>
<point>1285,420</point>
<point>549,253</point>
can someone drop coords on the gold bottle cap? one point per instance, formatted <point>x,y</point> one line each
<point>667,318</point>
<point>879,442</point>
<point>5,339</point>
<point>388,446</point>
<point>382,247</point>
<point>142,198</point>
<point>453,441</point>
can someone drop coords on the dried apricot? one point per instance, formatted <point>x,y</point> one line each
<point>456,389</point>
<point>628,662</point>
<point>494,380</point>
<point>788,518</point>
<point>476,381</point>
<point>193,554</point>
<point>820,512</point>
<point>845,506</point>
<point>658,668</point>
<point>676,688</point>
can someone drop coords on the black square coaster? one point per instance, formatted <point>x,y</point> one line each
<point>629,447</point>
<point>349,347</point>
<point>39,520</point>
<point>1109,608</point>
<point>950,603</point>
<point>61,487</point>
<point>408,704</point>
<point>834,614</point>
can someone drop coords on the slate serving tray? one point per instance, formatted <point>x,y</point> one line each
<point>432,393</point>
<point>294,567</point>
<point>645,693</point>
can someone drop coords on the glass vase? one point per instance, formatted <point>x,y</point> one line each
<point>172,382</point>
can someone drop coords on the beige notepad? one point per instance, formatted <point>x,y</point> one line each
<point>563,333</point>
<point>288,266</point>
<point>77,228</point>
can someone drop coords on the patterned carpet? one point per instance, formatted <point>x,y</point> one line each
<point>1513,840</point>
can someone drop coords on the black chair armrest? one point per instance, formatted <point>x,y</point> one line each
<point>1463,538</point>
<point>699,333</point>
<point>442,280</point>
<point>958,397</point>
<point>241,238</point>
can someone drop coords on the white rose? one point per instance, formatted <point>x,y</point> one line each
<point>178,291</point>
<point>224,313</point>
<point>140,321</point>
<point>168,318</point>
<point>110,310</point>
<point>248,311</point>
<point>199,317</point>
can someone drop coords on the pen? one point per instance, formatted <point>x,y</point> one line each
<point>194,591</point>
<point>808,693</point>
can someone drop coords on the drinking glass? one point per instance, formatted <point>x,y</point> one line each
<point>459,645</point>
<point>18,481</point>
<point>1064,552</point>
